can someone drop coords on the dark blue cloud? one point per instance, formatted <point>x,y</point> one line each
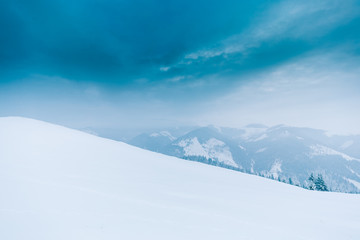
<point>121,41</point>
<point>112,40</point>
<point>176,51</point>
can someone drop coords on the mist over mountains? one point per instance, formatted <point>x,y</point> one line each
<point>285,153</point>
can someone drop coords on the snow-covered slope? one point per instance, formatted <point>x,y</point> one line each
<point>58,183</point>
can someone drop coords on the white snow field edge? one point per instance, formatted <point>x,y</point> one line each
<point>58,183</point>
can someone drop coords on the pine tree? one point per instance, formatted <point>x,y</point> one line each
<point>320,184</point>
<point>317,184</point>
<point>311,178</point>
<point>311,185</point>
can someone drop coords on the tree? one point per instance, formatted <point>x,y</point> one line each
<point>311,179</point>
<point>320,184</point>
<point>290,181</point>
<point>317,183</point>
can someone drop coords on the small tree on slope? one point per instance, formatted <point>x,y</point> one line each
<point>317,183</point>
<point>320,184</point>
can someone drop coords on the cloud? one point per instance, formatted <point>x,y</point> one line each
<point>114,40</point>
<point>176,79</point>
<point>92,91</point>
<point>288,28</point>
<point>164,69</point>
<point>314,91</point>
<point>170,60</point>
<point>119,42</point>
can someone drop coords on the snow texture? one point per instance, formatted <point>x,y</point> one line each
<point>212,148</point>
<point>164,134</point>
<point>57,183</point>
<point>355,183</point>
<point>347,144</point>
<point>319,150</point>
<point>263,136</point>
<point>260,150</point>
<point>275,169</point>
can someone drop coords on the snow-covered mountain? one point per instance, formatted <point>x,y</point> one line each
<point>58,183</point>
<point>209,143</point>
<point>286,153</point>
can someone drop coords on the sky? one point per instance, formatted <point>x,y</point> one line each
<point>162,63</point>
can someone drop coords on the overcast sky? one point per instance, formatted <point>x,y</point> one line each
<point>142,63</point>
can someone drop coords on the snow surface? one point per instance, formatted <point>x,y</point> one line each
<point>319,150</point>
<point>164,134</point>
<point>192,147</point>
<point>263,136</point>
<point>355,183</point>
<point>260,150</point>
<point>353,172</point>
<point>58,183</point>
<point>241,147</point>
<point>250,132</point>
<point>275,169</point>
<point>347,144</point>
<point>212,148</point>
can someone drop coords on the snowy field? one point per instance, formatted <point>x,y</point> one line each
<point>58,183</point>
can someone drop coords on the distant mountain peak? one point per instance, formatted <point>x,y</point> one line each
<point>256,125</point>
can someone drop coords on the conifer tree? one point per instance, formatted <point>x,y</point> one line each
<point>317,183</point>
<point>311,179</point>
<point>290,181</point>
<point>320,184</point>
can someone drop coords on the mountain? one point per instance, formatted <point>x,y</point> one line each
<point>58,183</point>
<point>209,143</point>
<point>155,141</point>
<point>289,154</point>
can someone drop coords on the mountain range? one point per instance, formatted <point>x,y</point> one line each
<point>285,153</point>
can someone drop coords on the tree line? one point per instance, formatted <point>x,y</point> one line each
<point>314,183</point>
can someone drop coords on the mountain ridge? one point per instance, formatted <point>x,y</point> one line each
<point>280,152</point>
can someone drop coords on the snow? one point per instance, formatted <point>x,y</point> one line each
<point>252,165</point>
<point>347,144</point>
<point>242,148</point>
<point>353,172</point>
<point>164,134</point>
<point>213,142</point>
<point>319,150</point>
<point>217,150</point>
<point>218,129</point>
<point>167,134</point>
<point>212,148</point>
<point>263,136</point>
<point>355,183</point>
<point>57,183</point>
<point>275,169</point>
<point>192,147</point>
<point>251,132</point>
<point>261,150</point>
